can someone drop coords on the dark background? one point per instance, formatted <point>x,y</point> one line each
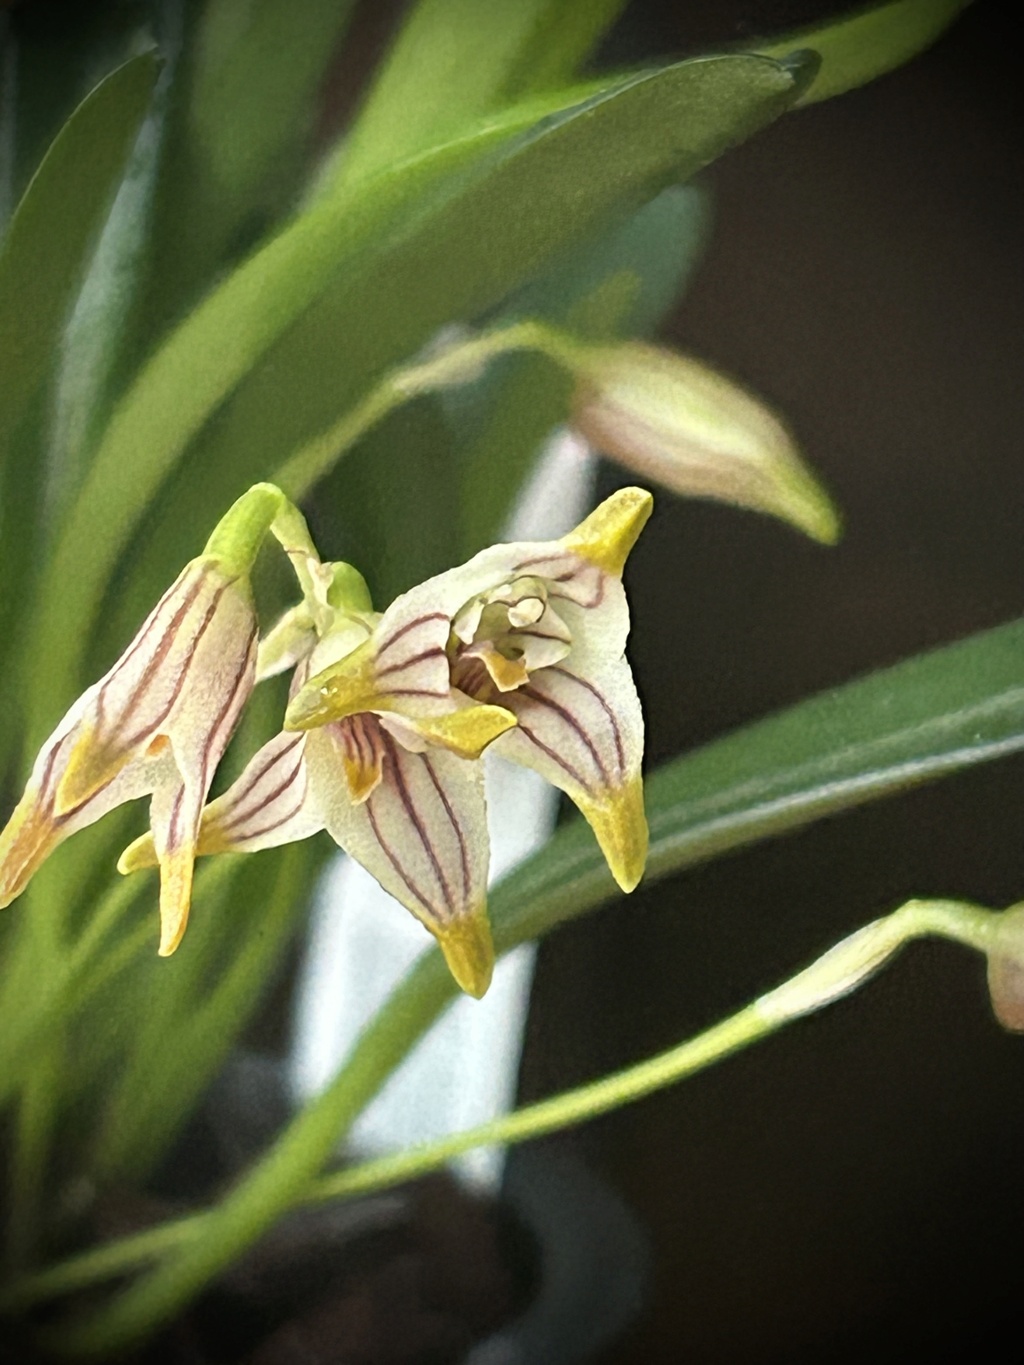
<point>854,1188</point>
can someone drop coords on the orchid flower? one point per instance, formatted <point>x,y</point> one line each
<point>537,629</point>
<point>389,780</point>
<point>159,721</point>
<point>522,648</point>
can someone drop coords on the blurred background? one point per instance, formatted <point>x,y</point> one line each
<point>854,1187</point>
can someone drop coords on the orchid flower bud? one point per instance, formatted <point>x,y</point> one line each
<point>1006,969</point>
<point>681,424</point>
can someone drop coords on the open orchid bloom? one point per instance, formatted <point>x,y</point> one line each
<point>156,724</point>
<point>390,783</point>
<point>537,629</point>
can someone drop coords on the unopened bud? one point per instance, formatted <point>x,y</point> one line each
<point>1006,969</point>
<point>683,425</point>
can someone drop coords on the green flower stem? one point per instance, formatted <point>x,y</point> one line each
<point>456,364</point>
<point>204,1239</point>
<point>237,537</point>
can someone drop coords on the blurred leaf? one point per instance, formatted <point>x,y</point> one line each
<point>96,336</point>
<point>929,716</point>
<point>393,506</point>
<point>43,256</point>
<point>241,141</point>
<point>456,60</point>
<point>371,276</point>
<point>562,42</point>
<point>42,263</point>
<point>256,84</point>
<point>187,1011</point>
<point>865,45</point>
<point>621,284</point>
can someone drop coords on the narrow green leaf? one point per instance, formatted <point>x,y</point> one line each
<point>919,720</point>
<point>456,60</point>
<point>861,47</point>
<point>55,226</point>
<point>562,43</point>
<point>375,275</point>
<point>43,259</point>
<point>192,1007</point>
<point>241,138</point>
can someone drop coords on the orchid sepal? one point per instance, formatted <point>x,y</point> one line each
<point>619,823</point>
<point>468,948</point>
<point>608,534</point>
<point>157,723</point>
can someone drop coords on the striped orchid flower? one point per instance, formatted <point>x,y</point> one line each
<point>156,724</point>
<point>389,780</point>
<point>537,629</point>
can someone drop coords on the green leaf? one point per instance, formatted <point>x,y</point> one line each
<point>863,46</point>
<point>43,260</point>
<point>43,257</point>
<point>371,277</point>
<point>242,136</point>
<point>188,1011</point>
<point>456,60</point>
<point>394,503</point>
<point>919,720</point>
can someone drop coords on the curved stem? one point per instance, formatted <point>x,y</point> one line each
<point>457,364</point>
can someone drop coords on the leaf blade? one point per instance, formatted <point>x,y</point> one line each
<point>922,719</point>
<point>52,231</point>
<point>862,46</point>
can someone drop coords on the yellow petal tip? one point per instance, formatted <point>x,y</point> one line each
<point>140,854</point>
<point>469,951</point>
<point>606,537</point>
<point>342,689</point>
<point>620,827</point>
<point>28,839</point>
<point>467,732</point>
<point>175,898</point>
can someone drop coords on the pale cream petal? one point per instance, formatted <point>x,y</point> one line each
<point>585,735</point>
<point>174,816</point>
<point>423,834</point>
<point>35,828</point>
<point>269,804</point>
<point>193,652</point>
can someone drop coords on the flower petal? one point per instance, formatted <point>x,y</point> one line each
<point>584,733</point>
<point>269,804</point>
<point>174,816</point>
<point>196,645</point>
<point>466,732</point>
<point>670,418</point>
<point>422,833</point>
<point>35,829</point>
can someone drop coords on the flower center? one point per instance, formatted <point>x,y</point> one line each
<point>499,638</point>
